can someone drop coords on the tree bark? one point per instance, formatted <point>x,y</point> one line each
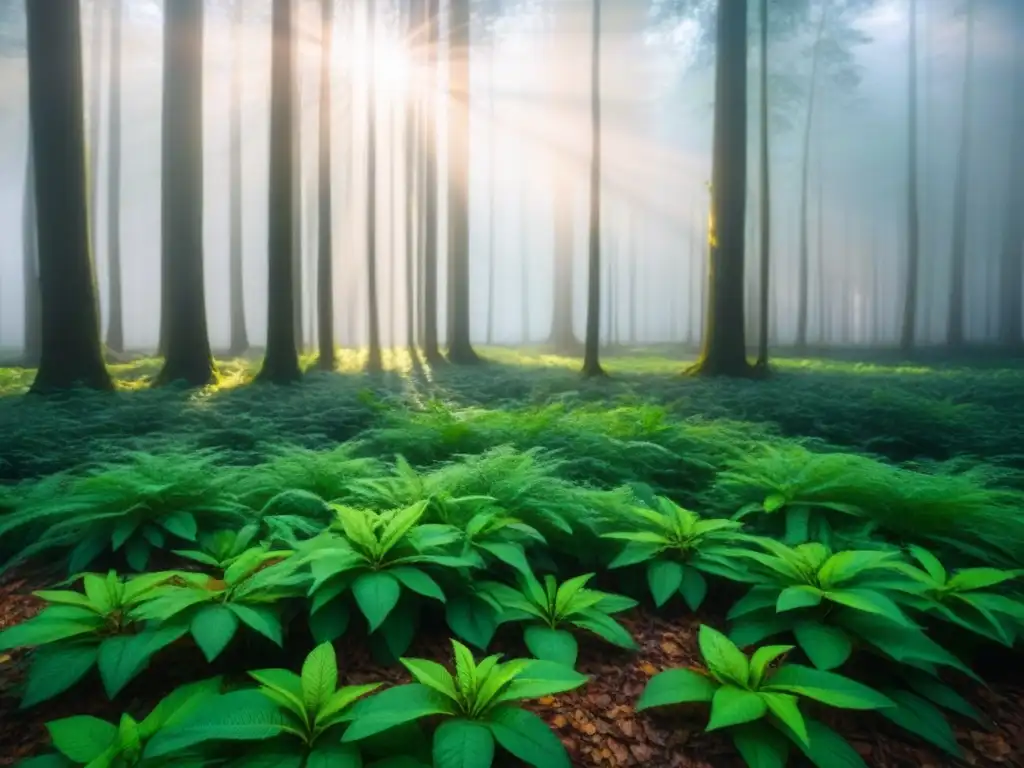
<point>766,209</point>
<point>908,328</point>
<point>374,361</point>
<point>115,309</point>
<point>325,262</point>
<point>724,349</point>
<point>281,364</point>
<point>30,265</point>
<point>71,353</point>
<point>1011,265</point>
<point>591,352</point>
<point>431,347</point>
<point>239,334</point>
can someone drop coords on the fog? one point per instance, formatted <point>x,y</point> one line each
<point>530,139</point>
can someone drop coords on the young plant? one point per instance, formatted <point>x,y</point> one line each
<point>478,705</point>
<point>212,609</point>
<point>964,598</point>
<point>100,626</point>
<point>90,741</point>
<point>220,549</point>
<point>677,545</point>
<point>289,721</point>
<point>758,699</point>
<point>492,536</point>
<point>381,557</point>
<point>549,608</point>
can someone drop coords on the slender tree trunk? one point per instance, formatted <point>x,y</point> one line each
<point>804,268</point>
<point>297,182</point>
<point>95,123</point>
<point>239,334</point>
<point>393,231</point>
<point>724,348</point>
<point>460,349</point>
<point>374,362</point>
<point>325,260</point>
<point>908,328</point>
<point>1011,265</point>
<point>824,335</point>
<point>563,336</point>
<point>524,268</point>
<point>766,209</point>
<point>115,309</point>
<point>71,353</point>
<point>414,21</point>
<point>281,364</point>
<point>492,145</point>
<point>30,265</point>
<point>431,347</point>
<point>957,297</point>
<point>188,358</point>
<point>631,255</point>
<point>591,353</point>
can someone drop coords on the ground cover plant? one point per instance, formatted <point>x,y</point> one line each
<point>619,556</point>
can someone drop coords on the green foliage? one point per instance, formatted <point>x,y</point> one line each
<point>758,698</point>
<point>98,627</point>
<point>478,707</point>
<point>548,608</point>
<point>677,545</point>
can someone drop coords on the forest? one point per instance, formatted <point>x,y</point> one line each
<point>470,383</point>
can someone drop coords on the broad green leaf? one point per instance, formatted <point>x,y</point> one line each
<point>826,687</point>
<point>826,646</point>
<point>418,581</point>
<point>463,744</point>
<point>664,578</point>
<point>845,566</point>
<point>432,675</point>
<point>181,524</point>
<point>634,553</point>
<point>756,599</point>
<point>694,587</point>
<point>556,645</point>
<point>334,756</point>
<point>319,677</point>
<point>773,502</point>
<point>395,706</point>
<point>536,678</point>
<point>261,619</point>
<point>732,706</point>
<point>605,627</point>
<point>929,562</point>
<point>57,668</point>
<point>465,669</point>
<point>177,705</point>
<point>676,686</point>
<point>334,711</point>
<point>760,745</point>
<point>510,554</point>
<point>82,738</point>
<point>121,658</point>
<point>376,595</point>
<point>869,601</point>
<point>978,578</point>
<point>723,658</point>
<point>213,626</point>
<point>527,737</point>
<point>568,594</point>
<point>761,659</point>
<point>800,596</point>
<point>399,628</point>
<point>330,622</point>
<point>784,707</point>
<point>920,717</point>
<point>827,748</point>
<point>286,684</point>
<point>472,619</point>
<point>43,629</point>
<point>941,694</point>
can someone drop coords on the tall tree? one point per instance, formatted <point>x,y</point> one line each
<point>431,347</point>
<point>766,210</point>
<point>1010,262</point>
<point>281,364</point>
<point>239,335</point>
<point>95,120</point>
<point>325,262</point>
<point>591,351</point>
<point>30,265</point>
<point>908,327</point>
<point>115,309</point>
<point>957,295</point>
<point>187,356</point>
<point>724,349</point>
<point>414,20</point>
<point>298,241</point>
<point>374,362</point>
<point>460,349</point>
<point>71,352</point>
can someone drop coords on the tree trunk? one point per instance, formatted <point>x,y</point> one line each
<point>188,357</point>
<point>71,353</point>
<point>460,348</point>
<point>766,208</point>
<point>325,261</point>
<point>239,335</point>
<point>374,362</point>
<point>1010,262</point>
<point>724,350</point>
<point>431,348</point>
<point>591,352</point>
<point>297,195</point>
<point>281,364</point>
<point>524,268</point>
<point>115,309</point>
<point>95,123</point>
<point>414,21</point>
<point>633,299</point>
<point>957,297</point>
<point>804,268</point>
<point>492,142</point>
<point>30,265</point>
<point>908,329</point>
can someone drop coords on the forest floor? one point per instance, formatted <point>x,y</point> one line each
<point>932,416</point>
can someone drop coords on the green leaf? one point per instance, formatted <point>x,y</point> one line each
<point>827,748</point>
<point>177,705</point>
<point>463,744</point>
<point>605,627</point>
<point>46,761</point>
<point>773,502</point>
<point>395,706</point>
<point>55,669</point>
<point>929,562</point>
<point>418,581</point>
<point>335,710</point>
<point>334,756</point>
<point>82,738</point>
<point>922,718</point>
<point>213,626</point>
<point>664,578</point>
<point>826,646</point>
<point>399,628</point>
<point>556,645</point>
<point>245,715</point>
<point>43,629</point>
<point>760,745</point>
<point>376,595</point>
<point>121,658</point>
<point>319,677</point>
<point>826,687</point>
<point>723,658</point>
<point>263,620</point>
<point>471,619</point>
<point>538,678</point>
<point>181,524</point>
<point>694,587</point>
<point>510,554</point>
<point>800,596</point>
<point>527,737</point>
<point>330,622</point>
<point>761,659</point>
<point>784,707</point>
<point>676,686</point>
<point>635,552</point>
<point>869,601</point>
<point>941,694</point>
<point>136,553</point>
<point>969,579</point>
<point>432,675</point>
<point>286,684</point>
<point>733,706</point>
<point>756,599</point>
